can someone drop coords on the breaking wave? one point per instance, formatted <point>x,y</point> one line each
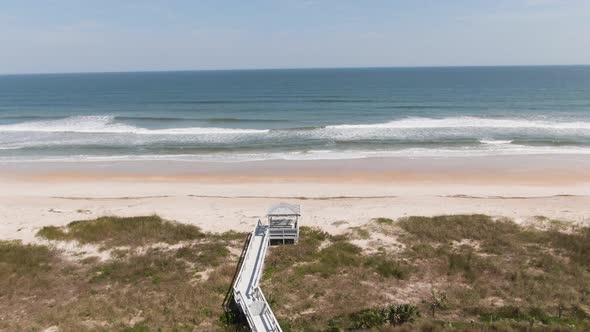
<point>106,124</point>
<point>468,122</point>
<point>113,136</point>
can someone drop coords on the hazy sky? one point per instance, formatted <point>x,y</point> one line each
<point>135,35</point>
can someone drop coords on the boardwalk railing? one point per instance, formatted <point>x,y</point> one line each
<point>246,289</point>
<point>284,234</point>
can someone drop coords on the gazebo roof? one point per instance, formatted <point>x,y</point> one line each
<point>284,209</point>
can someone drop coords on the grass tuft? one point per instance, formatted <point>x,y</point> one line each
<point>52,233</point>
<point>16,258</point>
<point>384,221</point>
<point>458,227</point>
<point>334,258</point>
<point>204,255</point>
<point>118,231</point>
<point>387,267</point>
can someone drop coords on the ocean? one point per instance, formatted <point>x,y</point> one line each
<point>293,114</point>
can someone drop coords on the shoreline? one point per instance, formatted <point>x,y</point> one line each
<point>533,170</point>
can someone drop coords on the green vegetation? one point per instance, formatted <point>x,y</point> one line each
<point>437,301</point>
<point>531,315</point>
<point>394,315</point>
<point>17,258</point>
<point>384,221</point>
<point>204,254</point>
<point>481,268</point>
<point>337,255</point>
<point>465,272</point>
<point>443,229</point>
<point>145,288</point>
<point>387,267</point>
<point>23,266</point>
<point>334,258</point>
<point>117,231</point>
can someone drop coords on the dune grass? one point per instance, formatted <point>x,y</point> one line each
<point>458,227</point>
<point>141,288</point>
<point>484,267</point>
<point>16,257</point>
<point>462,273</point>
<point>24,267</point>
<point>117,231</point>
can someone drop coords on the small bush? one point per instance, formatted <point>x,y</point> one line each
<point>232,235</point>
<point>332,259</point>
<point>118,231</point>
<point>16,258</point>
<point>360,232</point>
<point>386,267</point>
<point>52,233</point>
<point>207,254</point>
<point>438,301</point>
<point>445,229</point>
<point>155,266</point>
<point>462,262</point>
<point>575,245</point>
<point>283,257</point>
<point>423,250</point>
<point>533,314</point>
<point>392,314</point>
<point>367,319</point>
<point>401,314</point>
<point>384,221</point>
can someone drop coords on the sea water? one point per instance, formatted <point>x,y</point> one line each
<point>296,114</point>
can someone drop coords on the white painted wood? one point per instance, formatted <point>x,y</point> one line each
<point>247,292</point>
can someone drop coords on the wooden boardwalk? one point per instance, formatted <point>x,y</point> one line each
<point>246,289</point>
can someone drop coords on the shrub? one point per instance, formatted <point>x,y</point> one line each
<point>333,258</point>
<point>438,300</point>
<point>392,314</point>
<point>367,319</point>
<point>206,254</point>
<point>462,262</point>
<point>118,231</point>
<point>384,221</point>
<point>16,257</point>
<point>52,233</point>
<point>386,267</point>
<point>445,229</point>
<point>401,314</point>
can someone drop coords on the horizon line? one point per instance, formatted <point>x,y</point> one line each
<point>284,68</point>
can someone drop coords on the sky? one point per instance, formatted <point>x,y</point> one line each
<point>45,36</point>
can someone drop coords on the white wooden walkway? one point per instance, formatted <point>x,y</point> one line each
<point>247,293</point>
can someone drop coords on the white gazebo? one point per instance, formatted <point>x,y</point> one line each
<point>283,223</point>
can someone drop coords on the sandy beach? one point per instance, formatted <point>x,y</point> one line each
<point>295,166</point>
<point>334,194</point>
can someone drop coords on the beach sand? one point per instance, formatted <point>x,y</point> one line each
<point>334,194</point>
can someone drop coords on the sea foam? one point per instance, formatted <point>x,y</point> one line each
<point>106,124</point>
<point>451,136</point>
<point>467,122</point>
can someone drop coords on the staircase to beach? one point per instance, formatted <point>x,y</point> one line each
<point>246,289</point>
